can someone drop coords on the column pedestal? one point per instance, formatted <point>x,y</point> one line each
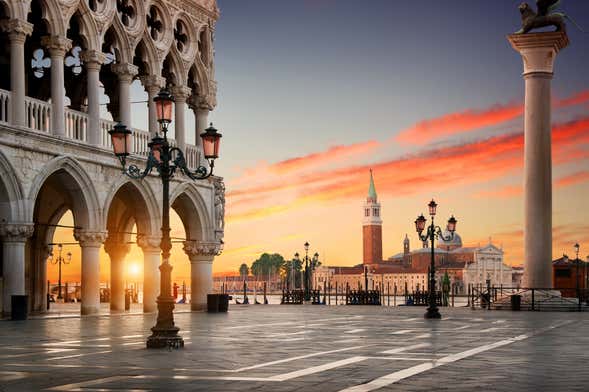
<point>538,51</point>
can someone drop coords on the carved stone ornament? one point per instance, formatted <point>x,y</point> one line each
<point>219,203</point>
<point>149,243</point>
<point>16,232</point>
<point>202,248</point>
<point>92,239</point>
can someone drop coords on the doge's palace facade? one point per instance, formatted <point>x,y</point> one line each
<point>59,59</point>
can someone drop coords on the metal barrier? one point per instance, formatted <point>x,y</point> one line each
<point>363,297</point>
<point>292,297</point>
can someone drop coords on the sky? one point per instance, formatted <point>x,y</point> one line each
<point>314,93</point>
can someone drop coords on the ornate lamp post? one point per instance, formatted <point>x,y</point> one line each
<point>59,261</point>
<point>309,262</point>
<point>166,160</point>
<point>433,232</point>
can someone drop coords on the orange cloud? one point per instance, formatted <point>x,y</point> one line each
<point>505,192</point>
<point>440,168</point>
<point>469,120</point>
<point>573,179</point>
<point>455,123</point>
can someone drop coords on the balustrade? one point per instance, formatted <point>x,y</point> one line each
<point>38,118</point>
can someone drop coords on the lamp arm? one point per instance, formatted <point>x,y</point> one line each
<point>440,234</point>
<point>200,173</point>
<point>135,173</point>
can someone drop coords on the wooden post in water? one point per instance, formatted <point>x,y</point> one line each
<point>395,295</point>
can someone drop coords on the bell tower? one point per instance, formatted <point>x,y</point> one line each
<point>372,227</point>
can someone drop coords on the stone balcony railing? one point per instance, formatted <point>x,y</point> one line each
<point>38,118</point>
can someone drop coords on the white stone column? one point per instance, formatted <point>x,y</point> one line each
<point>151,273</point>
<point>201,255</point>
<point>126,73</point>
<point>181,94</point>
<point>17,30</point>
<point>202,123</point>
<point>93,61</point>
<point>117,250</point>
<point>538,51</point>
<point>14,240</point>
<point>57,47</point>
<point>153,84</point>
<point>90,242</point>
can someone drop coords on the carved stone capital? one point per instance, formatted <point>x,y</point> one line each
<point>539,50</point>
<point>57,45</point>
<point>125,72</point>
<point>115,248</point>
<point>90,239</point>
<point>181,93</point>
<point>16,232</point>
<point>93,59</point>
<point>153,82</point>
<point>149,243</point>
<point>17,29</point>
<point>202,248</point>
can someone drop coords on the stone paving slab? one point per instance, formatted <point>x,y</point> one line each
<point>309,348</point>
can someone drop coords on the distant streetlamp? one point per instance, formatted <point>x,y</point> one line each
<point>433,232</point>
<point>578,264</point>
<point>309,262</point>
<point>166,160</point>
<point>59,261</point>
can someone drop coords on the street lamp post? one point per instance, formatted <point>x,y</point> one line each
<point>166,160</point>
<point>366,278</point>
<point>578,265</point>
<point>309,262</point>
<point>433,232</point>
<point>59,261</point>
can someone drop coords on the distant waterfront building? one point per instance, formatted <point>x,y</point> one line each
<point>464,265</point>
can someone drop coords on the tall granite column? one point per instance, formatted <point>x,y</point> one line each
<point>538,51</point>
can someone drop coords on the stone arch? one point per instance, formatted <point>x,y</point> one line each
<point>88,28</point>
<point>198,81</point>
<point>137,193</point>
<point>189,204</point>
<point>120,42</point>
<point>147,54</point>
<point>11,193</point>
<point>173,69</point>
<point>6,9</point>
<point>72,175</point>
<point>51,14</point>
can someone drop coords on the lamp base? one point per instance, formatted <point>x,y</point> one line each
<point>432,313</point>
<point>165,339</point>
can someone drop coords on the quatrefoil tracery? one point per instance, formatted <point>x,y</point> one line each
<point>181,36</point>
<point>155,24</point>
<point>126,12</point>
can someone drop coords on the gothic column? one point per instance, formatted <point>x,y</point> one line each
<point>201,255</point>
<point>90,242</point>
<point>181,94</point>
<point>57,47</point>
<point>538,51</point>
<point>117,249</point>
<point>126,73</point>
<point>18,30</point>
<point>150,246</point>
<point>14,240</point>
<point>201,112</point>
<point>93,59</point>
<point>153,85</point>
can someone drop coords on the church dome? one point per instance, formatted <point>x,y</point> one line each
<point>454,242</point>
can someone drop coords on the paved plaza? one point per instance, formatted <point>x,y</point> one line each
<point>302,348</point>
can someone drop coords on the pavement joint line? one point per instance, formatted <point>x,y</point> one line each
<point>355,330</point>
<point>317,369</point>
<point>406,348</point>
<point>78,386</point>
<point>78,355</point>
<point>394,377</point>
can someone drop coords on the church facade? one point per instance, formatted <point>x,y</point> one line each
<point>408,270</point>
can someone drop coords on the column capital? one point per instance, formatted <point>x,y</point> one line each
<point>116,248</point>
<point>16,232</point>
<point>56,44</point>
<point>125,71</point>
<point>539,50</point>
<point>93,59</point>
<point>90,239</point>
<point>200,249</point>
<point>148,243</point>
<point>153,81</point>
<point>17,29</point>
<point>181,93</point>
